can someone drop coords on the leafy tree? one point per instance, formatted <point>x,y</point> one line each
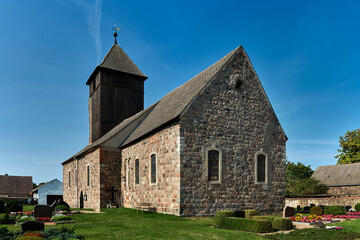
<point>350,147</point>
<point>299,182</point>
<point>299,170</point>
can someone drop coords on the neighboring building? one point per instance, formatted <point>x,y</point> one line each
<point>16,187</point>
<point>343,179</point>
<point>211,144</point>
<point>49,192</point>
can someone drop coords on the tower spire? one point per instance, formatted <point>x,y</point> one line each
<point>115,33</point>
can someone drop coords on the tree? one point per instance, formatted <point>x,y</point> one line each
<point>299,182</point>
<point>350,147</point>
<point>299,170</point>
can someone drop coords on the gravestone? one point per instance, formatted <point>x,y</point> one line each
<point>288,211</point>
<point>59,202</point>
<point>320,224</point>
<point>347,208</point>
<point>306,209</point>
<point>32,226</point>
<point>42,211</point>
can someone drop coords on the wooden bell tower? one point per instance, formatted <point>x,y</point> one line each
<point>116,92</point>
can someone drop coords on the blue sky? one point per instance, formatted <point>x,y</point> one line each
<point>306,53</point>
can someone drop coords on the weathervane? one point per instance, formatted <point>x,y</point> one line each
<point>116,29</point>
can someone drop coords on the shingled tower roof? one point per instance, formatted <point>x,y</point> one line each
<point>116,59</point>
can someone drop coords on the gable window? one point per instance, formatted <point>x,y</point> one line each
<point>261,170</point>
<point>213,156</point>
<point>88,175</point>
<point>137,170</point>
<point>153,168</point>
<point>69,176</point>
<point>213,165</point>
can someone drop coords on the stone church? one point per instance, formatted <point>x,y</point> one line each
<point>212,144</point>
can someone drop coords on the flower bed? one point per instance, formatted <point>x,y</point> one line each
<point>312,218</point>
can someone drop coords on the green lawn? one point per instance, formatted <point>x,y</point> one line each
<point>127,224</point>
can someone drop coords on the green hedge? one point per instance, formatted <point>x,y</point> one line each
<point>357,207</point>
<point>4,217</point>
<point>249,213</point>
<point>62,207</point>
<point>334,210</point>
<point>282,224</point>
<point>220,216</point>
<point>247,225</point>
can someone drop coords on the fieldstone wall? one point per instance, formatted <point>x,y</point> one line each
<point>92,192</point>
<point>110,175</point>
<point>164,196</point>
<point>236,118</point>
<point>324,201</point>
<point>344,190</point>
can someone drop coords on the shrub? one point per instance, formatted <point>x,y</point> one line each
<point>334,210</point>
<point>282,224</point>
<point>12,206</point>
<point>3,231</point>
<point>248,225</point>
<point>26,218</point>
<point>64,233</point>
<point>220,216</point>
<point>267,217</point>
<point>4,218</point>
<point>60,217</point>
<point>2,206</point>
<point>30,238</point>
<point>62,207</point>
<point>357,207</point>
<point>249,213</point>
<point>317,210</point>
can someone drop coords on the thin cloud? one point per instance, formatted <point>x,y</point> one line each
<point>93,20</point>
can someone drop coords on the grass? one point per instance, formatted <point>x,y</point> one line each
<point>127,224</point>
<point>28,207</point>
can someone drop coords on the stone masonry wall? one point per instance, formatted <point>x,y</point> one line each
<point>110,175</point>
<point>239,122</point>
<point>324,201</point>
<point>342,190</point>
<point>164,196</point>
<point>92,192</point>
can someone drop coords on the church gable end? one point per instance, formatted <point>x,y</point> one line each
<point>233,115</point>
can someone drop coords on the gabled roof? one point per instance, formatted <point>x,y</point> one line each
<point>175,102</point>
<point>169,108</point>
<point>116,59</point>
<point>35,190</point>
<point>158,114</point>
<point>116,136</point>
<point>338,175</point>
<point>15,185</point>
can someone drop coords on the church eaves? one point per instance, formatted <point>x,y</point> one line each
<point>116,59</point>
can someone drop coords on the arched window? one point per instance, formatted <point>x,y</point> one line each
<point>88,175</point>
<point>153,169</point>
<point>69,179</point>
<point>213,165</point>
<point>137,172</point>
<point>213,156</point>
<point>261,168</point>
